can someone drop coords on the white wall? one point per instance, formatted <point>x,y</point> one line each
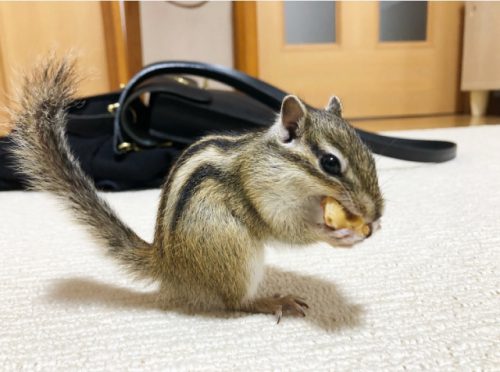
<point>201,34</point>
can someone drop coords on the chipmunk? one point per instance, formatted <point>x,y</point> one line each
<point>225,196</point>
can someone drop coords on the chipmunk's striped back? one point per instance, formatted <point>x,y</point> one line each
<point>213,159</point>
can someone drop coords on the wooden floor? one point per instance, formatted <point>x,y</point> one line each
<point>443,121</point>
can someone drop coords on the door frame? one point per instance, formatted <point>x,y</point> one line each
<point>245,40</point>
<point>122,29</point>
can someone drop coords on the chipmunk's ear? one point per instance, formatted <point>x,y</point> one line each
<point>292,117</point>
<point>334,106</point>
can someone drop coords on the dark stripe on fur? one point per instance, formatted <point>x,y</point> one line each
<point>221,143</point>
<point>238,204</point>
<point>201,174</point>
<point>315,149</point>
<point>300,162</point>
<point>225,144</point>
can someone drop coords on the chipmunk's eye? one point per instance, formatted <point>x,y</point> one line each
<point>331,164</point>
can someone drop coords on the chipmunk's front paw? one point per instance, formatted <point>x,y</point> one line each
<point>344,238</point>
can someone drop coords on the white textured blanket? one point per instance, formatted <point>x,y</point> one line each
<point>423,293</point>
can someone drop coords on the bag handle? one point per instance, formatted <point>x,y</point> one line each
<point>395,147</point>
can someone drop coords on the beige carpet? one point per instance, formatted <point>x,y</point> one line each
<point>422,294</point>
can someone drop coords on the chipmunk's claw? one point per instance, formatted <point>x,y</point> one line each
<point>289,305</point>
<point>278,305</point>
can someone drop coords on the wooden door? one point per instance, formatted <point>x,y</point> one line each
<point>105,37</point>
<point>373,78</point>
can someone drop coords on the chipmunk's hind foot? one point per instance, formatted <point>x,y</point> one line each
<point>279,305</point>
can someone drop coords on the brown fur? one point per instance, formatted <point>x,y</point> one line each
<point>43,154</point>
<point>225,197</point>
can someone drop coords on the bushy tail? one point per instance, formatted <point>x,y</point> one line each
<point>43,155</point>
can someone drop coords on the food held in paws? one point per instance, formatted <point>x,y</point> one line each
<point>336,217</point>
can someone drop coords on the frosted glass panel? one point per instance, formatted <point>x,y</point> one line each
<point>403,20</point>
<point>309,22</point>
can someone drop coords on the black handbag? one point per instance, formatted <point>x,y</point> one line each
<point>183,114</point>
<point>129,139</point>
<point>90,136</point>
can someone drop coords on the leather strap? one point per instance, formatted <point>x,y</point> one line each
<point>400,148</point>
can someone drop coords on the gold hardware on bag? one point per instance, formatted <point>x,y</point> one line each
<point>128,147</point>
<point>181,80</point>
<point>166,144</point>
<point>112,107</point>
